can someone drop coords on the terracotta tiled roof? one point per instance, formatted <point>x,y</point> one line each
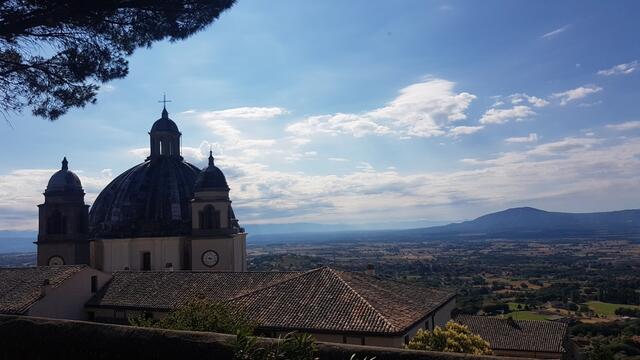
<point>167,290</point>
<point>21,287</point>
<point>328,300</point>
<point>519,335</point>
<point>318,300</point>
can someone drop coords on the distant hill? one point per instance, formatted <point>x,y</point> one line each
<point>298,228</point>
<point>17,241</point>
<point>528,220</point>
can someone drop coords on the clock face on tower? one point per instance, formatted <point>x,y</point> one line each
<point>210,258</point>
<point>56,260</point>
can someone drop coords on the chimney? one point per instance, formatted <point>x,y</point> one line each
<point>371,270</point>
<point>45,288</point>
<point>169,266</point>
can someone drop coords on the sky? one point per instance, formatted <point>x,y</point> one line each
<point>370,111</point>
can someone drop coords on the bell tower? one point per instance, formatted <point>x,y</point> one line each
<point>218,242</point>
<point>63,221</point>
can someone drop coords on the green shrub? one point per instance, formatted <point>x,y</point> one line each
<point>201,315</point>
<point>453,337</point>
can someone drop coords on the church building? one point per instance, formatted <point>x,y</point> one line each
<point>162,214</point>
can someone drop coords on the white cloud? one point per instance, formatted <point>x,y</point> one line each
<point>464,130</point>
<point>423,109</point>
<point>575,94</point>
<point>629,125</point>
<point>555,32</point>
<point>337,159</point>
<point>300,141</point>
<point>565,146</point>
<point>559,169</point>
<point>352,124</point>
<point>532,137</point>
<point>107,173</point>
<point>231,139</point>
<point>586,105</point>
<point>584,170</point>
<point>501,116</point>
<point>532,100</point>
<point>365,166</point>
<point>243,113</point>
<point>140,152</point>
<point>223,129</point>
<point>621,69</point>
<point>307,155</point>
<point>194,154</point>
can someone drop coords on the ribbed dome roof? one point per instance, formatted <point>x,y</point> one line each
<point>164,123</point>
<point>211,178</point>
<point>150,199</point>
<point>64,180</point>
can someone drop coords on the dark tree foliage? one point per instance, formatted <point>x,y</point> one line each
<point>55,53</point>
<point>625,311</point>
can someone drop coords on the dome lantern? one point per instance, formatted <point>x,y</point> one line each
<point>164,137</point>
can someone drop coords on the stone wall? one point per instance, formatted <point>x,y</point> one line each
<point>40,338</point>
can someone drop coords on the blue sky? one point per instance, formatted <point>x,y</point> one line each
<point>366,111</point>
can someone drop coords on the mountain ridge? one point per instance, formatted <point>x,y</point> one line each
<point>532,220</point>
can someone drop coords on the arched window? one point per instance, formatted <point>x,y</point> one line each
<point>209,218</point>
<point>56,223</point>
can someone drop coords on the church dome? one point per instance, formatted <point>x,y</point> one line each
<point>211,178</point>
<point>150,199</point>
<point>64,180</point>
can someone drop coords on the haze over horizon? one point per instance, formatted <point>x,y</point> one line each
<point>440,111</point>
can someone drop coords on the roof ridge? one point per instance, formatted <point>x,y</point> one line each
<point>274,284</point>
<point>68,274</point>
<point>531,321</point>
<point>206,272</point>
<point>335,273</point>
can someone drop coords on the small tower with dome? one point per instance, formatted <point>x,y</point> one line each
<point>63,221</point>
<point>218,241</point>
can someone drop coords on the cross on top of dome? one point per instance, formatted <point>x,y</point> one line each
<point>164,101</point>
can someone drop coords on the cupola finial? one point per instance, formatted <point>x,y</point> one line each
<point>210,157</point>
<point>164,101</point>
<point>65,164</point>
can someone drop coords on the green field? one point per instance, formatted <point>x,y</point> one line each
<point>513,306</point>
<point>607,309</point>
